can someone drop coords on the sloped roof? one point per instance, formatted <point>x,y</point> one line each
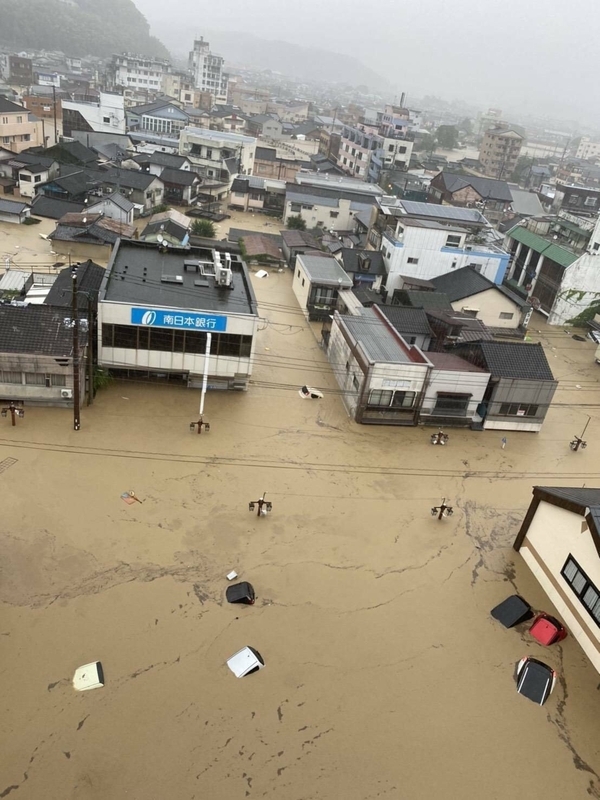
<point>89,278</point>
<point>467,282</point>
<point>407,320</point>
<point>418,299</point>
<point>350,260</point>
<point>488,188</point>
<point>11,207</point>
<point>179,177</point>
<point>540,245</point>
<point>118,199</point>
<point>38,329</point>
<point>585,502</point>
<point>293,238</point>
<point>8,107</point>
<point>526,203</point>
<point>516,360</point>
<point>43,206</point>
<point>324,270</point>
<point>161,159</point>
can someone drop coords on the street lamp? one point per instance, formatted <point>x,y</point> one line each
<point>578,443</point>
<point>442,510</point>
<point>263,507</point>
<point>15,410</point>
<point>439,438</point>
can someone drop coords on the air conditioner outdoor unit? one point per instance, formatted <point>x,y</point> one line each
<point>66,393</point>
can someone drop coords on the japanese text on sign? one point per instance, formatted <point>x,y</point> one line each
<point>189,320</point>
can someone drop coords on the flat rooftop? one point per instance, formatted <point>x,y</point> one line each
<point>218,136</point>
<point>142,274</point>
<point>378,342</point>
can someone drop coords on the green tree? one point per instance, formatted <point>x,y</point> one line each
<point>522,169</point>
<point>466,126</point>
<point>296,223</point>
<point>447,137</point>
<point>203,227</point>
<point>426,143</point>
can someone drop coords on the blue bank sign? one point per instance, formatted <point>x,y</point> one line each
<point>188,320</point>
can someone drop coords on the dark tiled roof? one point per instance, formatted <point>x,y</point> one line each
<point>11,206</point>
<point>256,244</point>
<point>235,234</point>
<point>295,238</point>
<point>407,320</point>
<point>466,282</point>
<point>486,187</point>
<point>168,226</point>
<point>161,160</point>
<point>43,206</point>
<point>449,361</point>
<point>240,185</point>
<point>38,329</point>
<point>351,263</point>
<point>132,179</point>
<point>179,177</point>
<point>424,299</point>
<point>516,360</point>
<point>10,108</point>
<point>89,278</point>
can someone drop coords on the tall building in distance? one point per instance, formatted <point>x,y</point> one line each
<point>207,69</point>
<point>499,152</point>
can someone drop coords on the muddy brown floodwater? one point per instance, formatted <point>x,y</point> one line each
<point>385,675</point>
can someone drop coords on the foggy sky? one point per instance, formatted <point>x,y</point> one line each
<point>540,56</point>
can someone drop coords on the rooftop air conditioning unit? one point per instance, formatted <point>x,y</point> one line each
<point>67,394</point>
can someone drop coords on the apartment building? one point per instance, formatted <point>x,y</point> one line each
<point>366,150</point>
<point>104,113</point>
<point>499,152</point>
<point>19,128</point>
<point>128,70</point>
<point>208,71</point>
<point>588,150</point>
<point>218,154</point>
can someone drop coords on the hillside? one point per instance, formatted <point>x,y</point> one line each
<point>78,28</point>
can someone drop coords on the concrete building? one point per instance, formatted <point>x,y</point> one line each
<point>49,111</point>
<point>559,541</point>
<point>19,128</point>
<point>329,203</point>
<point>499,151</point>
<point>105,114</point>
<point>36,355</point>
<point>492,197</point>
<point>127,70</point>
<point>424,240</point>
<point>264,125</point>
<point>13,211</point>
<point>368,150</point>
<point>588,149</point>
<point>258,194</point>
<point>218,154</point>
<point>317,282</point>
<point>557,276</point>
<point>270,163</point>
<point>155,310</point>
<point>208,71</point>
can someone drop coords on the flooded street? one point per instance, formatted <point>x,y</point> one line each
<point>385,675</point>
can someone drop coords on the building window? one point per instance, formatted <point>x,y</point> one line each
<point>132,337</point>
<point>583,588</point>
<point>385,398</point>
<point>334,214</point>
<point>295,208</point>
<point>391,148</point>
<point>506,315</point>
<point>19,120</point>
<point>302,281</point>
<point>106,120</point>
<point>453,241</point>
<point>26,178</point>
<point>323,296</point>
<point>11,377</point>
<point>412,260</point>
<point>591,201</point>
<point>452,405</point>
<point>519,410</point>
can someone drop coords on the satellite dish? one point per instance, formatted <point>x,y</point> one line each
<point>160,238</point>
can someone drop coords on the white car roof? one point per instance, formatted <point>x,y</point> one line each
<point>243,661</point>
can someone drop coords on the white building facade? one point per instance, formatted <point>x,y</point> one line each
<point>208,71</point>
<point>139,72</point>
<point>210,150</point>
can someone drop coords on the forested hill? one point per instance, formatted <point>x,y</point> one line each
<point>77,27</point>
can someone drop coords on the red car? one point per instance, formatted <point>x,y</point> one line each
<point>547,630</point>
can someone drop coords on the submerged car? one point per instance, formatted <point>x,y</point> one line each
<point>245,661</point>
<point>535,679</point>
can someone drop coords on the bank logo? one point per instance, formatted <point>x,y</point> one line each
<point>149,318</point>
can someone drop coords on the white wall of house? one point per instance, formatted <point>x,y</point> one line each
<point>580,287</point>
<point>112,211</point>
<point>301,285</point>
<point>424,253</point>
<point>219,366</point>
<point>339,217</point>
<point>493,308</point>
<point>106,115</point>
<point>455,382</point>
<point>553,535</point>
<point>28,181</point>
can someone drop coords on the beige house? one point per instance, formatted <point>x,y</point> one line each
<point>499,152</point>
<point>472,293</point>
<point>560,542</point>
<point>19,128</point>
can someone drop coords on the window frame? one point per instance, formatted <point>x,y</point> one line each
<point>587,586</point>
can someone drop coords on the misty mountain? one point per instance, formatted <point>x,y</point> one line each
<point>303,63</point>
<point>77,27</point>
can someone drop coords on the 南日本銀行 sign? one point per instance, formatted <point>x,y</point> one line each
<point>188,320</point>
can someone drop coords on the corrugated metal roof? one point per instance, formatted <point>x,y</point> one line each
<point>540,245</point>
<point>13,280</point>
<point>378,342</point>
<point>324,270</point>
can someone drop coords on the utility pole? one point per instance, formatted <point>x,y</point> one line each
<point>578,442</point>
<point>201,424</point>
<point>14,410</point>
<point>442,511</point>
<point>54,108</point>
<point>263,507</point>
<point>91,332</point>
<point>75,326</point>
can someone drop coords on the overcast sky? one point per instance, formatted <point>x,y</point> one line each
<point>537,55</point>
